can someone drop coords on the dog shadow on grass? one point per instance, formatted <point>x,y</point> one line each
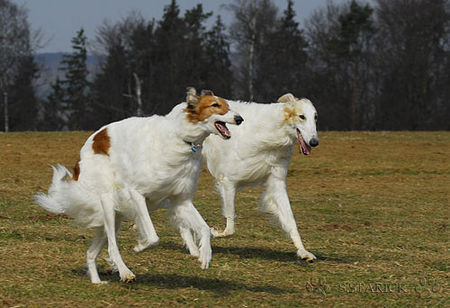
<point>221,287</point>
<point>265,254</point>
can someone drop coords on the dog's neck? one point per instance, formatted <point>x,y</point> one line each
<point>191,134</point>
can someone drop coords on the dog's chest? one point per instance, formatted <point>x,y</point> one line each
<point>163,181</point>
<point>256,169</point>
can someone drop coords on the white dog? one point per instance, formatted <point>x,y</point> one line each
<point>259,153</point>
<point>130,164</point>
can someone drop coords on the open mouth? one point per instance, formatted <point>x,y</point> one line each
<point>305,148</point>
<point>222,129</point>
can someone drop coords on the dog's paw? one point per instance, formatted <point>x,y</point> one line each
<point>142,245</point>
<point>128,277</point>
<point>306,255</point>
<point>224,233</point>
<point>205,258</point>
<point>205,263</point>
<point>100,282</point>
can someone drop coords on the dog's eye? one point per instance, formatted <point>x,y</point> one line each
<point>215,105</point>
<point>302,117</point>
<point>315,117</point>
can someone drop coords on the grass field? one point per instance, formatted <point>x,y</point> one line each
<point>373,207</point>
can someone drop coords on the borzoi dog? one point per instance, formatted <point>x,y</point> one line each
<point>130,164</point>
<point>259,153</point>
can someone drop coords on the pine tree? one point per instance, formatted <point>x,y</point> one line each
<point>195,68</point>
<point>76,83</point>
<point>219,75</point>
<point>169,58</point>
<point>52,109</point>
<point>24,103</point>
<point>111,86</point>
<point>282,59</point>
<point>354,33</point>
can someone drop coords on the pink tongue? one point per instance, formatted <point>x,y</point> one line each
<point>305,149</point>
<point>223,129</point>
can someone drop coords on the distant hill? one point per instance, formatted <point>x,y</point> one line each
<point>49,64</point>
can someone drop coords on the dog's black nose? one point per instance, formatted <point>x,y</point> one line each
<point>238,119</point>
<point>314,142</point>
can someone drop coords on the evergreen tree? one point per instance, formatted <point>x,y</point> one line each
<point>348,47</point>
<point>142,66</point>
<point>413,60</point>
<point>52,109</point>
<point>164,57</point>
<point>282,60</point>
<point>169,58</point>
<point>76,83</point>
<point>341,65</point>
<point>219,76</point>
<point>23,108</point>
<point>195,68</point>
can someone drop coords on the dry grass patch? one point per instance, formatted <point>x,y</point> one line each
<point>372,206</point>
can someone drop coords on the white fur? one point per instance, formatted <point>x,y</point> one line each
<point>149,165</point>
<point>259,153</point>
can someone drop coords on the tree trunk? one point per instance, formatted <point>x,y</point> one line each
<point>5,101</point>
<point>251,57</point>
<point>354,94</point>
<point>138,95</point>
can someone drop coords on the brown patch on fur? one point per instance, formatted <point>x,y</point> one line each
<point>207,106</point>
<point>102,143</point>
<point>76,171</point>
<point>289,113</point>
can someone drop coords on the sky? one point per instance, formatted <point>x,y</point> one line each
<point>59,20</point>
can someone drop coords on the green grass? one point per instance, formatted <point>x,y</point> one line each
<point>373,207</point>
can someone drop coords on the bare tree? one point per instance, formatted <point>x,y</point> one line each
<point>252,21</point>
<point>16,43</point>
<point>413,57</point>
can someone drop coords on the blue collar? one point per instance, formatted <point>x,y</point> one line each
<point>194,146</point>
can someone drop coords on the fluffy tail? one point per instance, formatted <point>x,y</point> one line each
<point>57,200</point>
<point>73,198</point>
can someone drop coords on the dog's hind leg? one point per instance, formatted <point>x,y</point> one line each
<point>185,216</point>
<point>111,263</point>
<point>107,201</point>
<point>275,200</point>
<point>146,230</point>
<point>227,192</point>
<point>94,250</point>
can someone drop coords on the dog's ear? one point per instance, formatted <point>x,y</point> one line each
<point>286,98</point>
<point>207,92</point>
<point>191,98</point>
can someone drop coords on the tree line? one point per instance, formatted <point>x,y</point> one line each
<point>379,66</point>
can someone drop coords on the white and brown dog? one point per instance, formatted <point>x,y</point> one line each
<point>138,162</point>
<point>259,153</point>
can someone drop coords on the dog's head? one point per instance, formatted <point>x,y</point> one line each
<point>301,115</point>
<point>211,112</point>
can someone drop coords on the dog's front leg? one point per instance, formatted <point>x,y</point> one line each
<point>146,230</point>
<point>275,200</point>
<point>189,241</point>
<point>186,217</point>
<point>227,192</point>
<point>109,214</point>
